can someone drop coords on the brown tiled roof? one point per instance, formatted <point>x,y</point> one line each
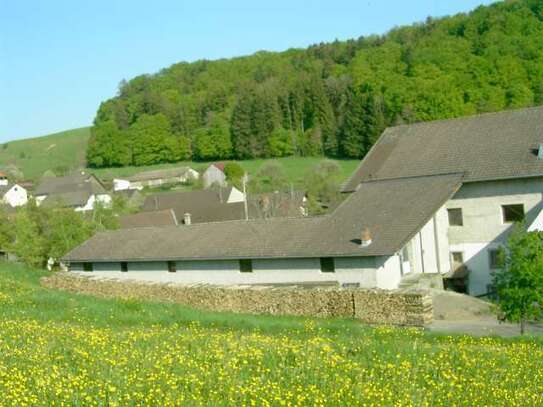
<point>394,210</point>
<point>144,219</point>
<point>484,147</point>
<point>220,166</point>
<point>70,184</point>
<point>72,190</point>
<point>206,205</point>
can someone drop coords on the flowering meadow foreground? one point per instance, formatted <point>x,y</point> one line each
<point>58,348</point>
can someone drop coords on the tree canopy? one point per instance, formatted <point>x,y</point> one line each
<point>331,98</point>
<point>519,285</point>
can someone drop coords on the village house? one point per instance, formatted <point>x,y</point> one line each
<point>219,204</point>
<point>429,198</point>
<point>214,175</point>
<point>156,178</point>
<point>80,192</point>
<point>12,194</point>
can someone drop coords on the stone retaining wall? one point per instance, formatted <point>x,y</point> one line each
<point>368,306</point>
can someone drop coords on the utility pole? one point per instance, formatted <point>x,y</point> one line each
<point>244,183</point>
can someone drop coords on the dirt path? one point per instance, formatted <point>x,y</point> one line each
<point>459,313</point>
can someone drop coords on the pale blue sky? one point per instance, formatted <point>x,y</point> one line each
<point>60,58</point>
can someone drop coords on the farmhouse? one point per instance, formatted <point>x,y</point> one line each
<point>12,194</point>
<point>156,178</point>
<point>214,175</point>
<point>433,197</point>
<point>80,192</point>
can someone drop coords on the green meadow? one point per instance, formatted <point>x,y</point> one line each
<point>59,348</point>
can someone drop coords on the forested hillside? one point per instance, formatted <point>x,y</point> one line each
<point>332,99</point>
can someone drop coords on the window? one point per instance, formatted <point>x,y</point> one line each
<point>87,267</point>
<point>327,265</point>
<point>172,267</point>
<point>455,217</point>
<point>458,257</point>
<point>457,260</point>
<point>495,258</point>
<point>513,213</point>
<point>124,266</point>
<point>246,266</point>
<point>405,253</point>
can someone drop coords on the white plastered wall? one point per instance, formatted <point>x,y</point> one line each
<point>483,227</point>
<point>16,196</point>
<point>348,270</point>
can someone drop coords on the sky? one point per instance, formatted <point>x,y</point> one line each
<point>60,58</point>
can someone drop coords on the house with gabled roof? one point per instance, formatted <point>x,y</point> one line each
<point>435,198</point>
<point>156,178</point>
<point>80,192</point>
<point>214,175</point>
<point>12,194</point>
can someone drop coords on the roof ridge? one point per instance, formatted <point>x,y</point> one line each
<point>468,117</point>
<point>249,221</point>
<point>462,173</point>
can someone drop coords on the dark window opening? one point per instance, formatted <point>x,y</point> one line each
<point>124,266</point>
<point>172,267</point>
<point>513,213</point>
<point>455,217</point>
<point>87,267</point>
<point>495,258</point>
<point>327,265</point>
<point>246,266</point>
<point>458,259</point>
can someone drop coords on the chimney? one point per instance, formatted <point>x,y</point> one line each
<point>540,152</point>
<point>365,237</point>
<point>187,219</point>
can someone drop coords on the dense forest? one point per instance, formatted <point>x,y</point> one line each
<point>330,99</point>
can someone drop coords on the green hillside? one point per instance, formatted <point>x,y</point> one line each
<point>59,152</point>
<point>330,98</point>
<point>64,152</point>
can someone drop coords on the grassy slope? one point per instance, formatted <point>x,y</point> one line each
<point>68,149</point>
<point>295,167</point>
<point>58,347</point>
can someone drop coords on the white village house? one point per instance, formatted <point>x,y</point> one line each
<point>214,175</point>
<point>434,197</point>
<point>13,195</point>
<point>156,178</point>
<point>80,192</point>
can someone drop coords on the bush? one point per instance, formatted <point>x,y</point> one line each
<point>234,172</point>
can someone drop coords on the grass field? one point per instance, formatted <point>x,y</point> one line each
<point>294,167</point>
<point>36,155</point>
<point>58,348</point>
<point>67,149</point>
